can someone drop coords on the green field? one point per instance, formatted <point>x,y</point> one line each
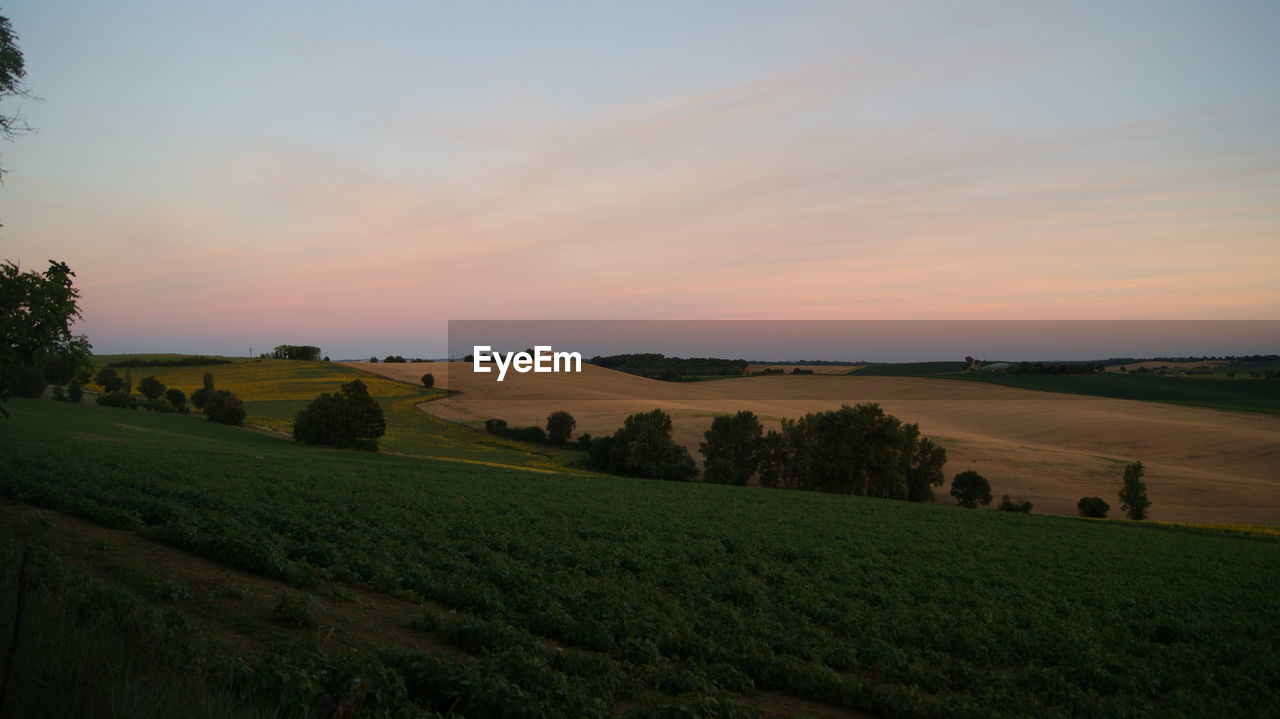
<point>1215,391</point>
<point>586,596</point>
<point>274,391</point>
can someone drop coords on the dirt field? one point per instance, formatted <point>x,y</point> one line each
<point>1202,465</point>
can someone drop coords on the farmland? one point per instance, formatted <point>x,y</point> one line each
<point>275,390</point>
<point>1205,465</point>
<point>587,595</point>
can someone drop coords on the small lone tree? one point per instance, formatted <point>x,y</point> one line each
<point>151,388</point>
<point>348,419</point>
<point>1095,507</point>
<point>1133,495</point>
<point>559,426</point>
<point>224,406</point>
<point>108,380</point>
<point>428,380</point>
<point>971,489</point>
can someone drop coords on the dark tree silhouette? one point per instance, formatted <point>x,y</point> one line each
<point>971,489</point>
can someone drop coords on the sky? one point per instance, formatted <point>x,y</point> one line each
<point>233,175</point>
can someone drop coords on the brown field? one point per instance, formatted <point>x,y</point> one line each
<point>817,368</point>
<point>1202,465</point>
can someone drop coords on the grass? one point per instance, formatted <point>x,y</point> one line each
<point>577,596</point>
<point>274,391</point>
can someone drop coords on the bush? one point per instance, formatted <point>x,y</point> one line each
<point>58,394</point>
<point>1008,505</point>
<point>75,392</point>
<point>157,404</point>
<point>117,399</point>
<point>223,406</point>
<point>108,380</point>
<point>348,419</point>
<point>1095,507</point>
<point>971,489</point>
<point>428,380</point>
<point>528,434</point>
<point>176,399</point>
<point>560,426</point>
<point>151,388</point>
<point>495,426</point>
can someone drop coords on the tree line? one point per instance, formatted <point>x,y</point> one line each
<point>672,369</point>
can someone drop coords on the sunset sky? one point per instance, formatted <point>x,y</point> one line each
<point>224,175</point>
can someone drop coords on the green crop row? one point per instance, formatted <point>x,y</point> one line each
<point>706,592</point>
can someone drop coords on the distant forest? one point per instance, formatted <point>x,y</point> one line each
<point>672,369</point>
<point>188,361</point>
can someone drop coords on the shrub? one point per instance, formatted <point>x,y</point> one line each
<point>971,489</point>
<point>428,380</point>
<point>75,392</point>
<point>495,426</point>
<point>1008,505</point>
<point>117,399</point>
<point>177,399</point>
<point>1095,507</point>
<point>151,388</point>
<point>157,404</point>
<point>560,426</point>
<point>348,419</point>
<point>58,394</point>
<point>108,380</point>
<point>223,406</point>
<point>528,434</point>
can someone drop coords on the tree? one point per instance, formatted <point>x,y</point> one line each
<point>151,388</point>
<point>1095,507</point>
<point>12,71</point>
<point>373,360</point>
<point>1133,495</point>
<point>296,352</point>
<point>349,418</point>
<point>175,397</point>
<point>37,310</point>
<point>971,489</point>
<point>428,380</point>
<point>108,380</point>
<point>858,450</point>
<point>731,449</point>
<point>224,406</point>
<point>560,426</point>
<point>643,447</point>
<point>200,396</point>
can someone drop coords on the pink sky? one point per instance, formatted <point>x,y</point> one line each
<point>828,164</point>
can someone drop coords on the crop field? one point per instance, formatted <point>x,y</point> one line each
<point>274,391</point>
<point>590,596</point>
<point>1052,448</point>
